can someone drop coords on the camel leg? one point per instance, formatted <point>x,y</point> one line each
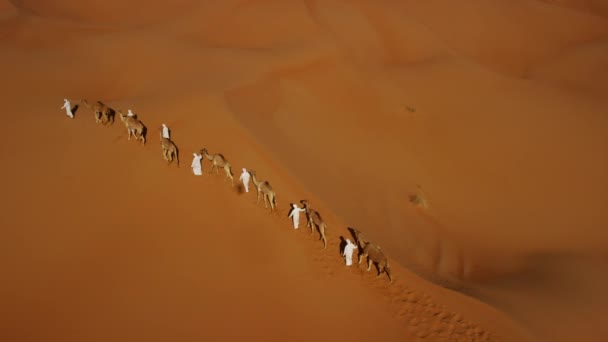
<point>369,264</point>
<point>312,226</point>
<point>360,258</point>
<point>265,201</point>
<point>322,231</point>
<point>258,201</point>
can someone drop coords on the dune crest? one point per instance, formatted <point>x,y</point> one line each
<point>113,12</point>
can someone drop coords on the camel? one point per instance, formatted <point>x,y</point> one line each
<point>314,219</point>
<point>101,111</point>
<point>266,190</point>
<point>217,161</point>
<point>170,151</point>
<point>134,127</point>
<point>374,254</point>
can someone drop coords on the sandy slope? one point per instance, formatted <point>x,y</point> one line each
<point>498,124</point>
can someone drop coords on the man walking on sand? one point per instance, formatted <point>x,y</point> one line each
<point>68,108</point>
<point>197,167</point>
<point>348,252</point>
<point>245,179</point>
<point>295,215</point>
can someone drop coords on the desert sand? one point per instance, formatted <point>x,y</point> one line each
<point>467,138</point>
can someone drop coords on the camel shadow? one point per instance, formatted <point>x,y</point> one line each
<point>352,234</point>
<point>111,115</point>
<point>144,132</point>
<point>176,154</point>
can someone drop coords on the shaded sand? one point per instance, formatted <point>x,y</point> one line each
<point>475,155</point>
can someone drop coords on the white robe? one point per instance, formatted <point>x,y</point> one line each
<point>245,179</point>
<point>348,252</point>
<point>165,132</point>
<point>130,113</point>
<point>68,108</point>
<point>197,167</point>
<point>295,215</point>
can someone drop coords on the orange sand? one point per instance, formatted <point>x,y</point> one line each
<point>492,112</point>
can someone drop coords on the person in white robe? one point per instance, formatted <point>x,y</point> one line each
<point>348,252</point>
<point>245,179</point>
<point>130,113</point>
<point>165,132</point>
<point>295,215</point>
<point>197,167</point>
<point>68,108</point>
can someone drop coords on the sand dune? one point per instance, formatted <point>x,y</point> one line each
<point>489,111</point>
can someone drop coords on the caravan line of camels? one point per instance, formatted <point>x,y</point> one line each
<point>104,114</point>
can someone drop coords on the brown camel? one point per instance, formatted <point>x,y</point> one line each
<point>101,111</point>
<point>134,127</point>
<point>218,161</point>
<point>170,151</point>
<point>266,190</point>
<point>314,219</point>
<point>374,254</point>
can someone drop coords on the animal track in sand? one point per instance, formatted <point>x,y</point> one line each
<point>425,318</point>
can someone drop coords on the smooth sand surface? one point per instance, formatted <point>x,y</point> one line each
<point>468,139</point>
